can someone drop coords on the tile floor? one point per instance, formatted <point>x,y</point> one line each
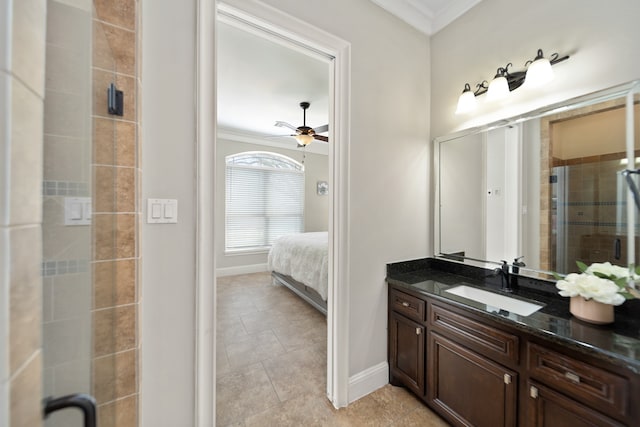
<point>271,365</point>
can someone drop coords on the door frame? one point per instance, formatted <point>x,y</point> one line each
<point>289,27</point>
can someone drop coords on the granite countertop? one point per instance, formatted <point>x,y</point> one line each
<point>618,343</point>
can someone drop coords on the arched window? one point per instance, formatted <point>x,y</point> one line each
<point>264,199</point>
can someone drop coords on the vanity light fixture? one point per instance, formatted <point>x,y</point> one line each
<point>467,101</point>
<point>499,87</point>
<point>537,72</point>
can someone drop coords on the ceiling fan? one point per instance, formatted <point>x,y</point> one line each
<point>305,134</point>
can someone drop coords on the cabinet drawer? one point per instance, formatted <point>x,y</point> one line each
<point>546,407</point>
<point>410,306</point>
<point>487,340</point>
<point>580,380</point>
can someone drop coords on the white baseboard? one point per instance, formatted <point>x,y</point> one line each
<point>368,381</point>
<point>241,269</point>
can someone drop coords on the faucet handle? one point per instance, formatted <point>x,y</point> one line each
<point>518,263</point>
<point>505,266</point>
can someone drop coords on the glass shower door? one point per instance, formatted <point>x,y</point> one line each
<point>66,191</point>
<point>80,335</point>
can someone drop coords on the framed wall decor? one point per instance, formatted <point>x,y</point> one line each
<point>322,188</point>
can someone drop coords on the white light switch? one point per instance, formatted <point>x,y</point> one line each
<point>155,210</point>
<point>77,211</point>
<point>162,211</point>
<point>168,211</point>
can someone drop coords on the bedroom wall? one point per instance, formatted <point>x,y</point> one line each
<point>601,37</point>
<point>316,207</point>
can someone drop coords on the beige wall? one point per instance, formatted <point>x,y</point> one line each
<point>22,57</point>
<point>593,134</point>
<point>601,38</point>
<point>169,171</point>
<point>316,214</point>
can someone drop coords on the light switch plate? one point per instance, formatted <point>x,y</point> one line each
<point>162,211</point>
<point>77,211</point>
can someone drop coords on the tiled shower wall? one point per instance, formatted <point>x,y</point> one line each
<point>595,209</point>
<point>547,238</point>
<point>116,216</point>
<point>22,58</point>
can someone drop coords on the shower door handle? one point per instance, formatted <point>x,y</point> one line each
<point>84,402</point>
<point>617,248</point>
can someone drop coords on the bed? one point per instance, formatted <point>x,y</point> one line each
<point>300,262</point>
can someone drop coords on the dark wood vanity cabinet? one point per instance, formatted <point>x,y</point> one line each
<point>469,388</point>
<point>477,372</point>
<point>467,355</point>
<point>547,408</point>
<point>406,352</point>
<point>407,341</point>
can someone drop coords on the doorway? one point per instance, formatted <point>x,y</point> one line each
<point>285,26</point>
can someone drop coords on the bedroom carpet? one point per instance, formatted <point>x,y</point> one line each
<point>271,365</point>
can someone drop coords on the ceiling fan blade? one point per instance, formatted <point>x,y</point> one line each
<point>321,138</point>
<point>321,129</point>
<point>278,136</point>
<point>286,125</point>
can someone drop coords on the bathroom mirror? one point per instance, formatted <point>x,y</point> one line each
<point>544,188</point>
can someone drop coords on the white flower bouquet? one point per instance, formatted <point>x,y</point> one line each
<point>601,282</point>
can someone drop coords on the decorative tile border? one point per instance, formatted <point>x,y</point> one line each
<point>57,268</point>
<point>614,203</point>
<point>599,224</point>
<point>65,188</point>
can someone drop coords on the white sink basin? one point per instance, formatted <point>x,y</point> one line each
<point>513,305</point>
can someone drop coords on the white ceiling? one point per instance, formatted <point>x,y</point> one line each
<point>262,79</point>
<point>428,16</point>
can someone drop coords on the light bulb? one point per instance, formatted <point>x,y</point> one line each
<point>498,88</point>
<point>304,139</point>
<point>467,101</point>
<point>539,71</point>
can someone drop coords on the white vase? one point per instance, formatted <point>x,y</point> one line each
<point>591,311</point>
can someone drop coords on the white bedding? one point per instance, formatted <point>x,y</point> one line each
<point>303,257</point>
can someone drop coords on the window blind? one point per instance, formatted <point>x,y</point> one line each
<point>264,200</point>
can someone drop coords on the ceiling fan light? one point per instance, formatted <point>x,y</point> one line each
<point>304,139</point>
<point>498,88</point>
<point>467,101</point>
<point>539,72</point>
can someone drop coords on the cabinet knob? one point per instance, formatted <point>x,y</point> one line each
<point>405,304</point>
<point>507,379</point>
<point>418,331</point>
<point>533,392</point>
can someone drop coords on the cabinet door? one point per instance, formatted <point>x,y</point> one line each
<point>406,352</point>
<point>547,408</point>
<point>467,388</point>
